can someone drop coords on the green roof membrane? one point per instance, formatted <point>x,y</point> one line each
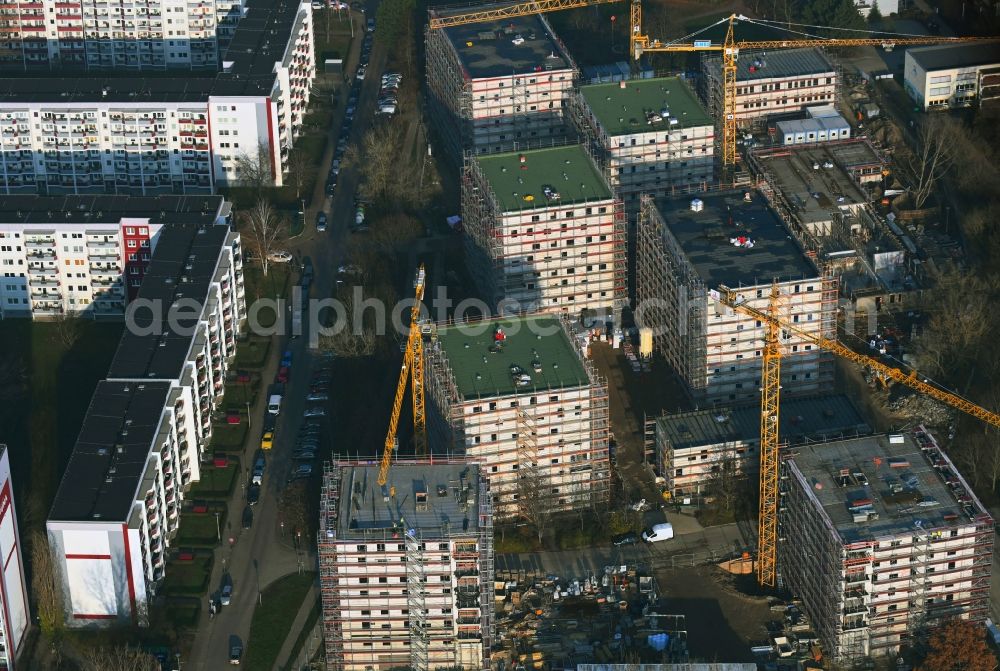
<point>626,110</point>
<point>521,185</point>
<point>483,370</point>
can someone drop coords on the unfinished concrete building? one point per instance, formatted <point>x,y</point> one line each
<point>497,87</point>
<point>772,83</point>
<point>518,396</point>
<point>545,232</point>
<point>691,447</point>
<point>881,537</point>
<point>687,248</point>
<point>649,135</point>
<point>406,571</point>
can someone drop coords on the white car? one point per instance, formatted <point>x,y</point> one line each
<point>315,411</point>
<point>280,256</point>
<point>318,5</point>
<point>318,396</point>
<point>361,72</point>
<point>387,109</point>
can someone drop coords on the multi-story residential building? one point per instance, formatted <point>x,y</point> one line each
<point>86,254</point>
<point>14,615</point>
<point>651,136</point>
<point>777,82</point>
<point>496,87</point>
<point>89,34</point>
<point>169,134</point>
<point>687,249</point>
<point>881,537</point>
<point>144,436</point>
<point>949,76</point>
<point>518,397</point>
<point>545,232</point>
<point>691,447</point>
<point>406,570</point>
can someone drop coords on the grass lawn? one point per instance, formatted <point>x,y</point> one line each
<point>188,577</point>
<point>227,437</point>
<point>252,352</point>
<point>272,620</point>
<point>215,483</point>
<point>199,529</point>
<point>303,636</point>
<point>332,34</point>
<point>275,285</point>
<point>184,613</point>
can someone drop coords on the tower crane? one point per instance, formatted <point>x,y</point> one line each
<point>767,526</point>
<point>730,48</point>
<point>412,370</point>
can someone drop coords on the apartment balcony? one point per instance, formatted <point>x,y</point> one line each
<point>102,256</point>
<point>35,243</point>
<point>43,282</point>
<point>36,271</point>
<point>42,253</point>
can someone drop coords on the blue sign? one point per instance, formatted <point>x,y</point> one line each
<point>702,43</point>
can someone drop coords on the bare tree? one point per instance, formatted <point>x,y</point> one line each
<point>300,171</point>
<point>351,340</point>
<point>45,587</point>
<point>727,482</point>
<point>293,509</point>
<point>255,168</point>
<point>264,228</point>
<point>117,658</point>
<point>67,329</point>
<point>932,158</point>
<point>534,500</point>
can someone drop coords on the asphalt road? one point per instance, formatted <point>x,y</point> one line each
<point>258,556</point>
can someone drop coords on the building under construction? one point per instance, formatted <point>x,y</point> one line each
<point>498,86</point>
<point>406,570</point>
<point>686,249</point>
<point>519,397</point>
<point>545,232</point>
<point>881,537</point>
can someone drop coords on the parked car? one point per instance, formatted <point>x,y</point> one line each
<point>316,4</point>
<point>269,422</point>
<point>282,375</point>
<point>360,74</point>
<point>321,222</point>
<point>226,593</point>
<point>258,469</point>
<point>318,396</point>
<point>280,256</point>
<point>315,411</point>
<point>267,440</point>
<point>302,471</point>
<point>371,25</point>
<point>235,649</point>
<point>304,455</point>
<point>253,494</point>
<point>286,358</point>
<point>247,517</point>
<point>628,538</point>
<point>387,109</point>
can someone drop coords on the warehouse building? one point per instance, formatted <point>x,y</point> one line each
<point>687,249</point>
<point>518,397</point>
<point>691,447</point>
<point>545,232</point>
<point>87,254</point>
<point>92,35</point>
<point>142,134</point>
<point>950,76</point>
<point>406,571</point>
<point>769,83</point>
<point>15,617</point>
<point>650,136</point>
<point>497,87</point>
<point>144,438</point>
<point>881,537</point>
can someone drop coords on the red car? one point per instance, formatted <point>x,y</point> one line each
<point>283,375</point>
<point>233,418</point>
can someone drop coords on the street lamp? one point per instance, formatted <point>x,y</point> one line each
<point>177,656</point>
<point>218,531</point>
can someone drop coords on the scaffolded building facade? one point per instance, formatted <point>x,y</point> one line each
<point>406,570</point>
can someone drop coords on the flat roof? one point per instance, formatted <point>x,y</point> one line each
<point>624,110</point>
<point>776,64</point>
<point>813,124</point>
<point>84,209</point>
<point>803,420</point>
<point>945,57</point>
<point>482,373</point>
<point>520,185</point>
<point>260,40</point>
<point>452,500</point>
<point>488,49</point>
<point>184,264</point>
<point>705,238</point>
<point>855,153</point>
<point>815,195</point>
<point>111,451</point>
<point>903,484</point>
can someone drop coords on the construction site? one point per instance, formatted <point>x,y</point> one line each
<point>520,397</point>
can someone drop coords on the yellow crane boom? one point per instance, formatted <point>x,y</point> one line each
<point>412,370</point>
<point>496,13</point>
<point>767,523</point>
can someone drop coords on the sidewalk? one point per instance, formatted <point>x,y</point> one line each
<point>284,655</point>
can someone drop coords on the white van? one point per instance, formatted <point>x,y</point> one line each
<point>658,532</point>
<point>274,404</point>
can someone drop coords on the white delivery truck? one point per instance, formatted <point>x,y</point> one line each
<point>658,532</point>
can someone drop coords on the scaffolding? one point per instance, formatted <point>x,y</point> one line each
<point>329,577</point>
<point>416,601</point>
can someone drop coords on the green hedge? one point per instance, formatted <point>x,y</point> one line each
<point>215,483</point>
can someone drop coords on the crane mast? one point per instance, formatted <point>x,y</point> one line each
<point>411,371</point>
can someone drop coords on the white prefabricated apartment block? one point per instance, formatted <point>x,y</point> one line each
<point>14,615</point>
<point>948,76</point>
<point>91,34</point>
<point>147,135</point>
<point>86,254</point>
<point>144,436</point>
<point>650,135</point>
<point>881,537</point>
<point>406,571</point>
<point>495,87</point>
<point>692,446</point>
<point>518,397</point>
<point>544,232</point>
<point>687,249</point>
<point>770,83</point>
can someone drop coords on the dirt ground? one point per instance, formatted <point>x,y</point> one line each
<point>722,621</point>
